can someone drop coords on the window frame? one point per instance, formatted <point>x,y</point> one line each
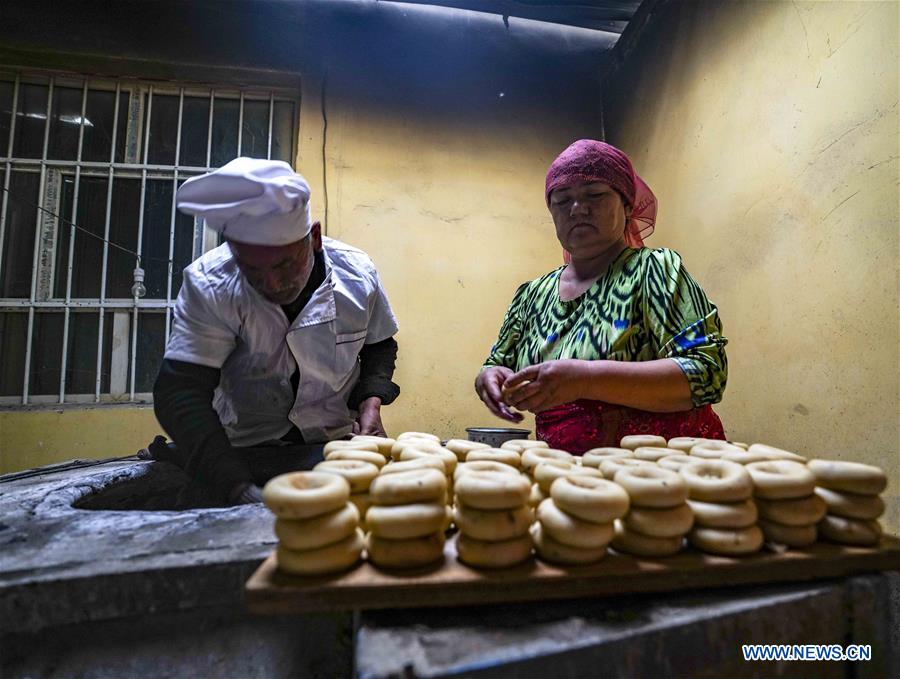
<point>124,313</point>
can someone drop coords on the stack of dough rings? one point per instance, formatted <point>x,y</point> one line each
<point>361,449</point>
<point>493,516</point>
<point>408,517</point>
<point>788,507</point>
<point>850,491</point>
<point>532,457</point>
<point>658,517</point>
<point>725,515</point>
<point>575,524</point>
<point>316,525</point>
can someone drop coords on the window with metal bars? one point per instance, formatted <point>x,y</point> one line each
<point>89,170</point>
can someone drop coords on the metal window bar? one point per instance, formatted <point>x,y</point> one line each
<point>73,220</point>
<point>140,234</point>
<point>109,194</point>
<point>271,117</point>
<point>37,247</point>
<point>8,173</point>
<point>174,214</point>
<point>240,123</point>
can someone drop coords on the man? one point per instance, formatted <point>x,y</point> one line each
<point>281,339</point>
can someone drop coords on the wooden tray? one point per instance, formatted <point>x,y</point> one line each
<point>452,583</point>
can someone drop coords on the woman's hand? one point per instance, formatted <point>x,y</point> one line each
<point>545,385</point>
<point>488,385</point>
<point>368,422</point>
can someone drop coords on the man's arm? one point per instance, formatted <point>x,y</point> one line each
<point>376,368</point>
<point>182,401</point>
<point>374,387</point>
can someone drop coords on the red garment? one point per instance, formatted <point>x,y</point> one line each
<point>581,425</point>
<point>588,160</point>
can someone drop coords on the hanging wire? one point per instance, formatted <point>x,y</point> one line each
<point>83,230</point>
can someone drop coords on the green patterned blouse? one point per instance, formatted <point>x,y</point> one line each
<point>645,307</point>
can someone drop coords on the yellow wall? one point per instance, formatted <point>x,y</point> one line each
<point>37,437</point>
<point>769,132</point>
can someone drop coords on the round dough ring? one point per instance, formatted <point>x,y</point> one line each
<point>552,550</point>
<point>850,531</point>
<point>850,506</point>
<point>402,522</point>
<point>373,458</point>
<point>532,457</point>
<point>675,462</point>
<point>571,531</point>
<point>652,486</point>
<point>520,445</point>
<point>800,511</point>
<point>362,502</point>
<point>684,444</point>
<point>432,462</point>
<point>402,488</point>
<point>352,444</point>
<point>359,474</point>
<point>319,531</point>
<point>653,453</point>
<point>419,435</point>
<point>781,479</point>
<point>547,472</point>
<point>850,477</point>
<point>727,541</point>
<point>462,447</point>
<point>507,457</point>
<point>590,499</point>
<point>493,490</point>
<point>332,558</point>
<point>713,449</point>
<point>671,522</point>
<point>791,536</point>
<point>717,481</point>
<point>724,514</point>
<point>384,444</point>
<point>612,465</point>
<point>595,456</point>
<point>484,466</point>
<point>629,542</point>
<point>301,495</point>
<point>642,440</point>
<point>409,553</point>
<point>501,554</point>
<point>493,525</point>
<point>444,455</point>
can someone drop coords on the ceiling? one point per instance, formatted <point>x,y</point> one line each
<point>611,16</point>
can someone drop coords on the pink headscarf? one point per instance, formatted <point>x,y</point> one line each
<point>587,160</point>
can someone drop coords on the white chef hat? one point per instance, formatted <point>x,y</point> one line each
<point>250,200</point>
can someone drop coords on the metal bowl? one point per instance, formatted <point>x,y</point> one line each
<point>494,436</point>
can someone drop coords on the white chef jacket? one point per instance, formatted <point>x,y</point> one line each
<point>220,321</point>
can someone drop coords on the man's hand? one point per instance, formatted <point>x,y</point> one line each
<point>245,494</point>
<point>368,422</point>
<point>545,385</point>
<point>488,385</point>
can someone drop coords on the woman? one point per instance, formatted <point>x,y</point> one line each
<point>620,340</point>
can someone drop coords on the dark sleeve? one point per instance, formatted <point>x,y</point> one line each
<point>182,401</point>
<point>376,368</point>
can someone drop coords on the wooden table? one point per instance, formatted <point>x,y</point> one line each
<point>452,583</point>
